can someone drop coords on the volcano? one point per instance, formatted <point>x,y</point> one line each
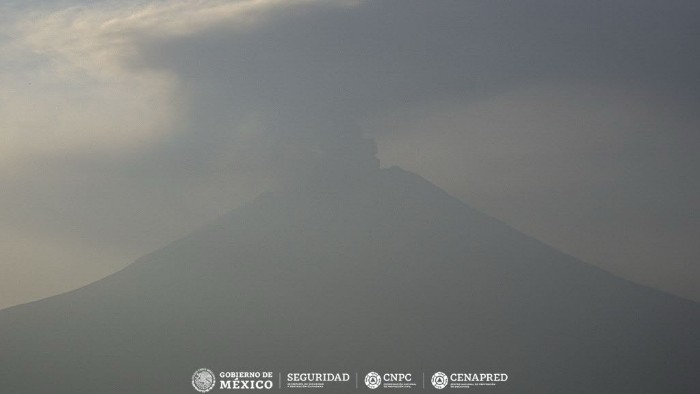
<point>385,273</point>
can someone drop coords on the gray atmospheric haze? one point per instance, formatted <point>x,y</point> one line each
<point>311,161</point>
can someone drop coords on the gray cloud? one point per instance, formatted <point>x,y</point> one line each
<point>573,121</point>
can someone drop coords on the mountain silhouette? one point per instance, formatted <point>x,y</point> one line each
<point>381,272</point>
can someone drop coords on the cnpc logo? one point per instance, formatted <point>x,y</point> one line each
<point>374,380</point>
<point>397,377</point>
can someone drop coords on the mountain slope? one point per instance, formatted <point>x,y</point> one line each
<point>381,273</point>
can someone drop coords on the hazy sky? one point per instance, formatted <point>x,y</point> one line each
<point>126,124</point>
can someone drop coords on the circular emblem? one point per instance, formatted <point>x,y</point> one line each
<point>203,380</point>
<point>373,380</point>
<point>439,380</point>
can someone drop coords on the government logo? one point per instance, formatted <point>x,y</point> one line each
<point>203,380</point>
<point>439,380</point>
<point>373,380</point>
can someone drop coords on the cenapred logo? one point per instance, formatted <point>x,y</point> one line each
<point>373,380</point>
<point>439,380</point>
<point>203,380</point>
